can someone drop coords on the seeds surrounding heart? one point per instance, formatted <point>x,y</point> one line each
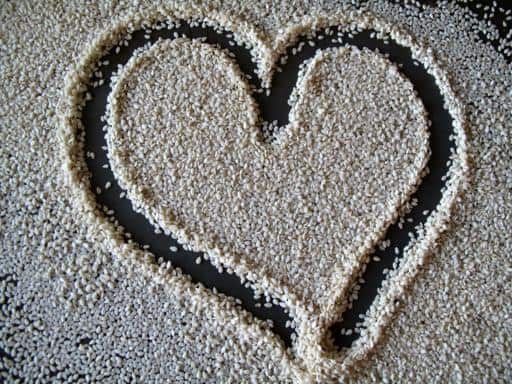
<point>298,216</point>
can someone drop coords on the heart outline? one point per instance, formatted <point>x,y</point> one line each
<point>69,124</point>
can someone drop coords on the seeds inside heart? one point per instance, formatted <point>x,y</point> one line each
<point>297,216</point>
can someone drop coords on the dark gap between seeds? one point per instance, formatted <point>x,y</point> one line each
<point>274,110</point>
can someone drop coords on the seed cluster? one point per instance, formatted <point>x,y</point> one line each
<point>79,304</point>
<point>295,216</point>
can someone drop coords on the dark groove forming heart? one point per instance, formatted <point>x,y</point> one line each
<point>273,108</point>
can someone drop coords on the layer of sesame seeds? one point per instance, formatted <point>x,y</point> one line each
<point>72,309</point>
<point>272,207</point>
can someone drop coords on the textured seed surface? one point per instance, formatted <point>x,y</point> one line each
<point>75,307</point>
<point>184,143</point>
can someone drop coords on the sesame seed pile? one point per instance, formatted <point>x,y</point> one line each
<point>294,210</point>
<point>286,210</point>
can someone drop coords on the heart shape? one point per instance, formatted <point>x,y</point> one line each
<point>297,216</point>
<point>308,348</point>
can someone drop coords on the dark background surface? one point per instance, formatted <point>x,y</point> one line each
<point>274,107</point>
